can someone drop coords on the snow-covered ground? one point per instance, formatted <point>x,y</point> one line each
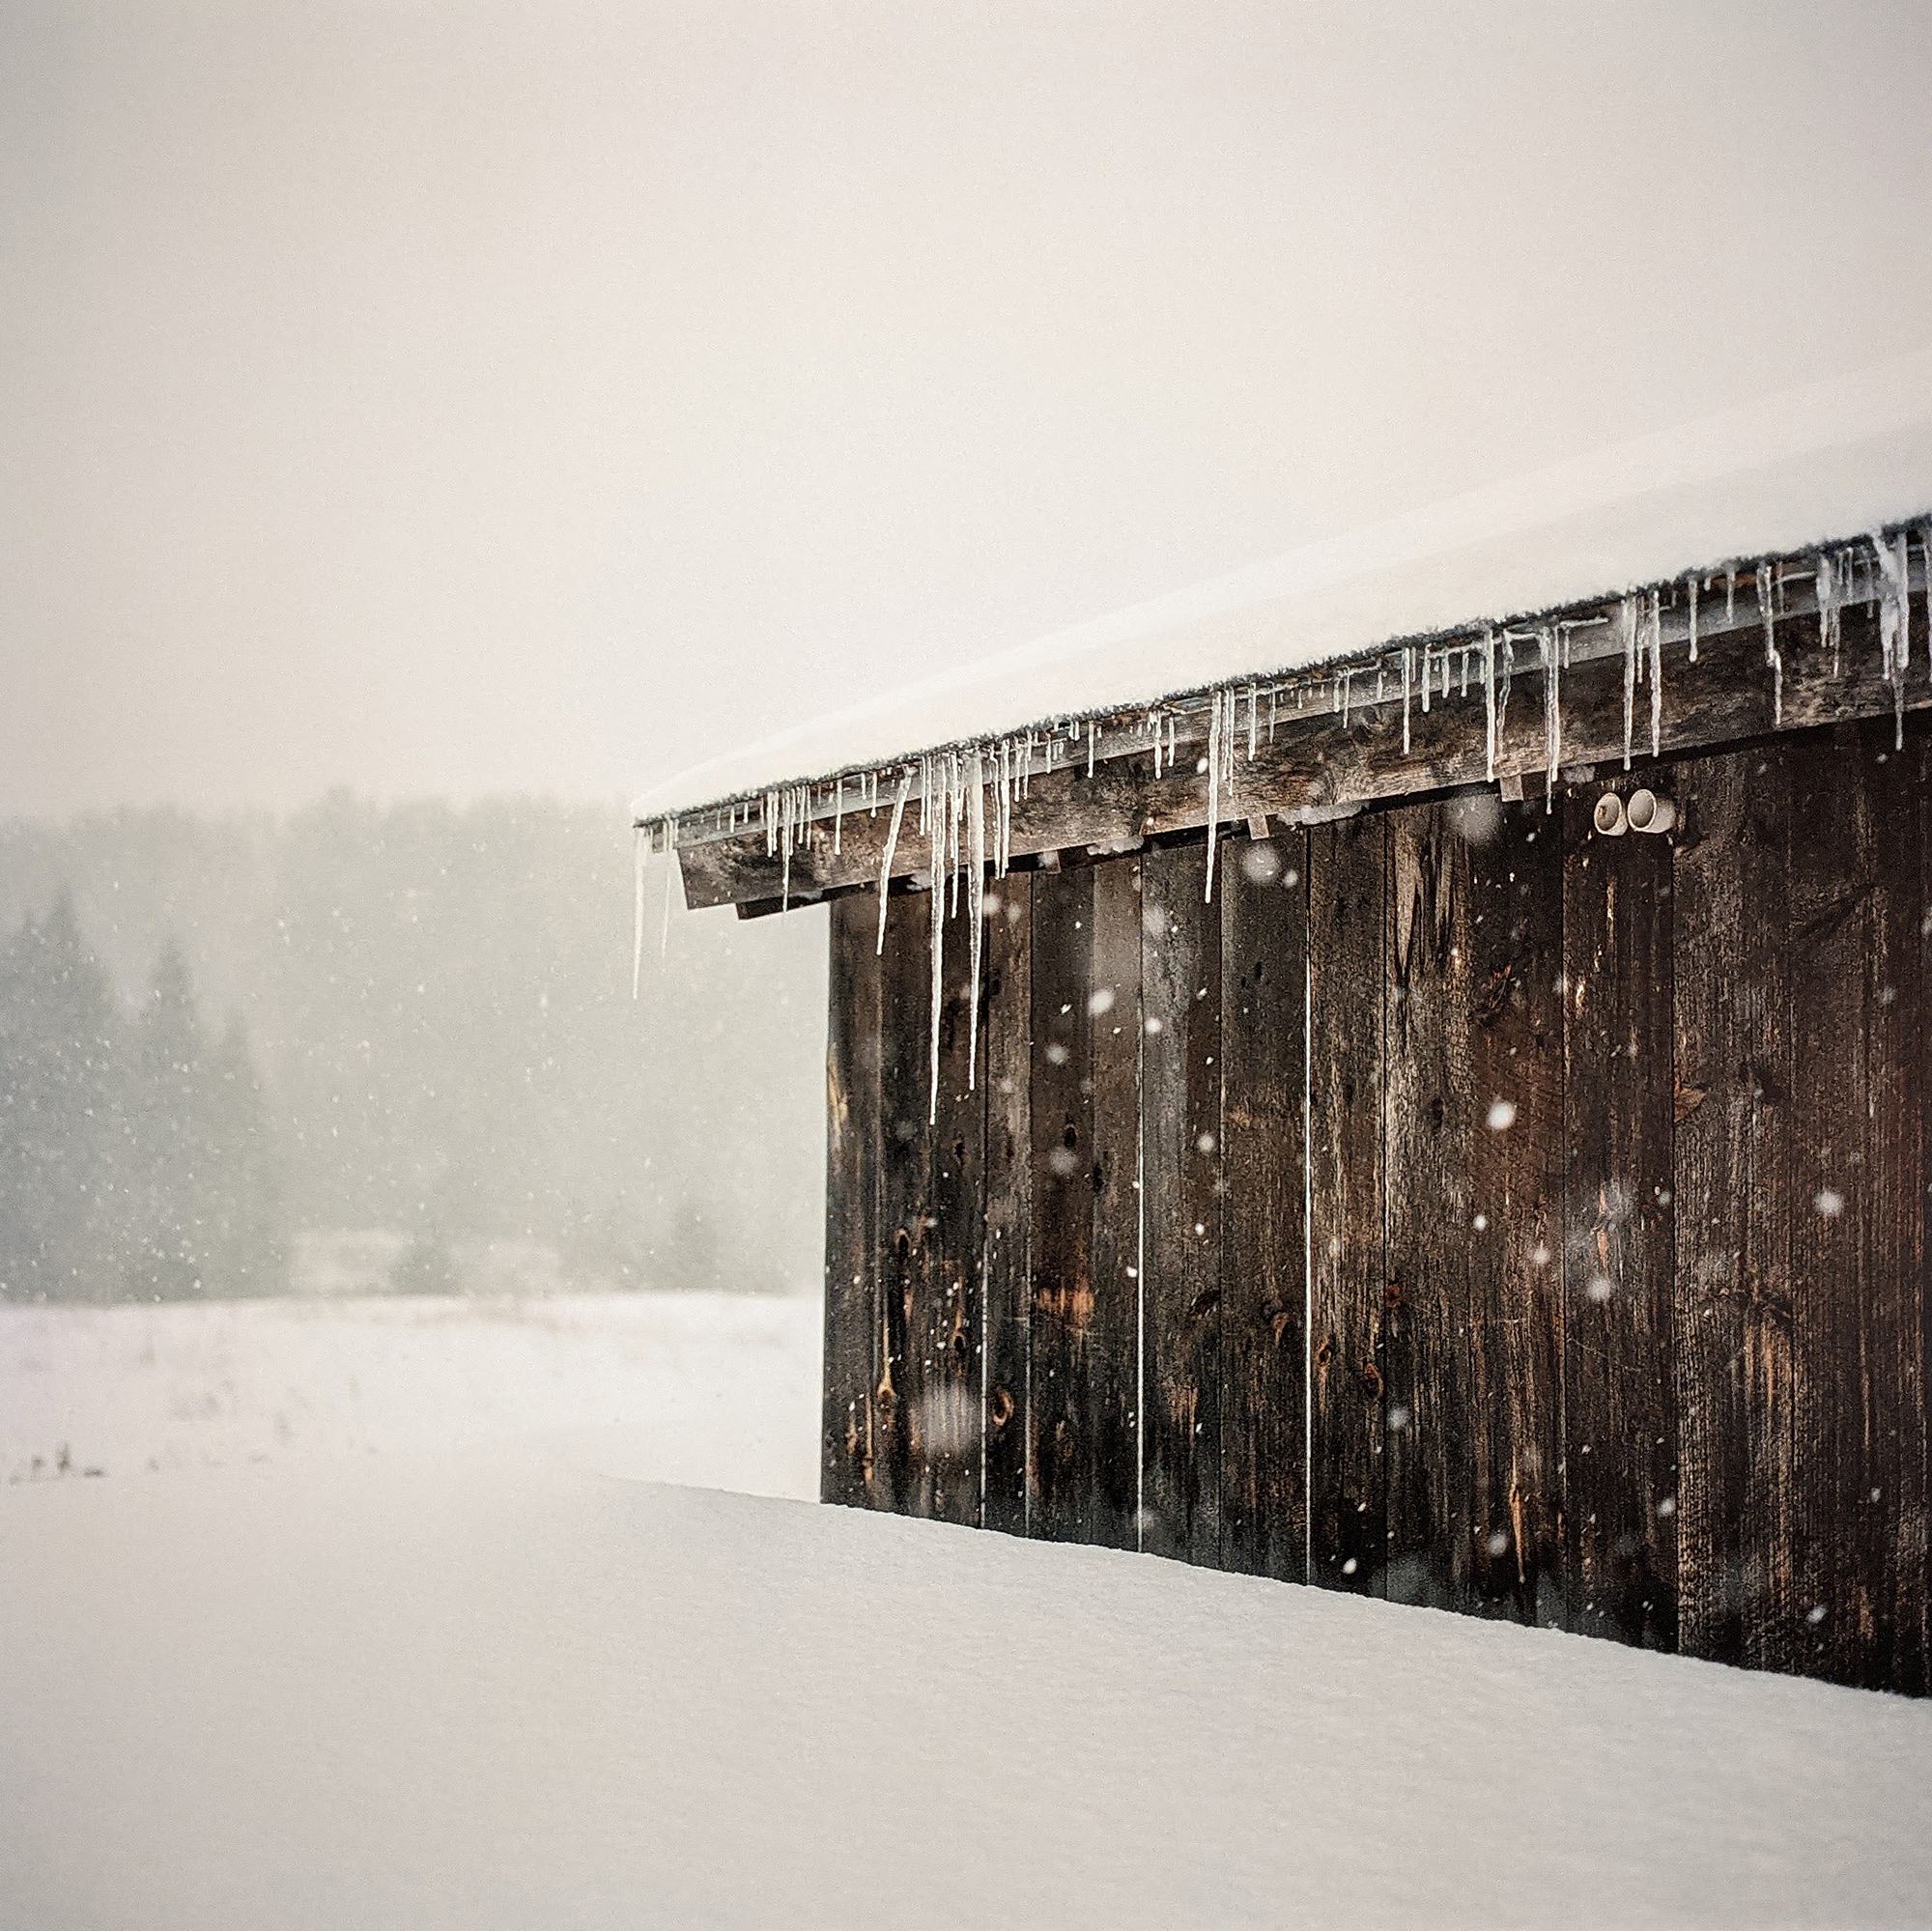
<point>716,1389</point>
<point>483,1691</point>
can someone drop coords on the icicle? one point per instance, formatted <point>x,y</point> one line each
<point>1273,694</point>
<point>1656,638</point>
<point>1553,713</point>
<point>1092,735</point>
<point>638,914</point>
<point>1489,705</point>
<point>1253,721</point>
<point>891,847</point>
<point>1503,690</point>
<point>1425,680</point>
<point>1831,630</point>
<point>1627,630</point>
<point>671,884</point>
<point>1346,683</point>
<point>1925,550</point>
<point>1213,784</point>
<point>839,818</point>
<point>1730,596</point>
<point>975,910</point>
<point>958,763</point>
<point>1694,620</point>
<point>1012,798</point>
<point>787,828</point>
<point>1894,621</point>
<point>1406,655</point>
<point>936,860</point>
<point>1767,612</point>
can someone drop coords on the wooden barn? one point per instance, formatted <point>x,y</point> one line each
<point>1448,1122</point>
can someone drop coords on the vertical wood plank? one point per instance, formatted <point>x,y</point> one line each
<point>1516,1167</point>
<point>1347,891</point>
<point>1473,1130</point>
<point>1182,1200</point>
<point>1619,1383</point>
<point>1858,1179</point>
<point>949,1313</point>
<point>1009,1059</point>
<point>1114,1342</point>
<point>1428,1132</point>
<point>1261,892</point>
<point>851,1203</point>
<point>1061,1458</point>
<point>1733,1304</point>
<point>905,1215</point>
<point>1899,1054</point>
<point>1084,1456</point>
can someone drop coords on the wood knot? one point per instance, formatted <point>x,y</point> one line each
<point>999,1409</point>
<point>1371,1380</point>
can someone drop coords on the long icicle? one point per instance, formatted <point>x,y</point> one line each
<point>1768,614</point>
<point>1553,712</point>
<point>1654,617</point>
<point>671,884</point>
<point>1693,583</point>
<point>938,826</point>
<point>788,824</point>
<point>891,847</point>
<point>1830,627</point>
<point>1488,703</point>
<point>1213,784</point>
<point>1404,698</point>
<point>976,909</point>
<point>1627,631</point>
<point>639,836</point>
<point>1894,622</point>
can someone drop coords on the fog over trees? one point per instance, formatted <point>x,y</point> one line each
<point>392,1047</point>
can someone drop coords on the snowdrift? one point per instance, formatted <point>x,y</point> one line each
<point>434,1692</point>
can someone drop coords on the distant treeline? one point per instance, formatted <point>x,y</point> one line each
<point>227,1042</point>
<point>138,1162</point>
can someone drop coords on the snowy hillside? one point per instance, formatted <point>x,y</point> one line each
<point>459,1692</point>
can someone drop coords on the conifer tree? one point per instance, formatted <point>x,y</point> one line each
<point>57,1114</point>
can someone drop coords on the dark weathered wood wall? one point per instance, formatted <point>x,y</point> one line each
<point>1463,1208</point>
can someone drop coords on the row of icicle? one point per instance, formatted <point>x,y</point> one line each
<point>961,789</point>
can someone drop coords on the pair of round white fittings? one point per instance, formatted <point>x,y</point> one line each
<point>1641,811</point>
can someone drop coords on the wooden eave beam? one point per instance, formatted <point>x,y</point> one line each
<point>1319,766</point>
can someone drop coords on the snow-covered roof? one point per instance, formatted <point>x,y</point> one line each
<point>439,1691</point>
<point>1831,460</point>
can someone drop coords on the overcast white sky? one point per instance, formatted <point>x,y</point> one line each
<point>470,397</point>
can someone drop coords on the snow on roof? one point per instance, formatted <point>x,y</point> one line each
<point>1833,460</point>
<point>480,1693</point>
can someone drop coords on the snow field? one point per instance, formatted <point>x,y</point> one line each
<point>485,1692</point>
<point>708,1389</point>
